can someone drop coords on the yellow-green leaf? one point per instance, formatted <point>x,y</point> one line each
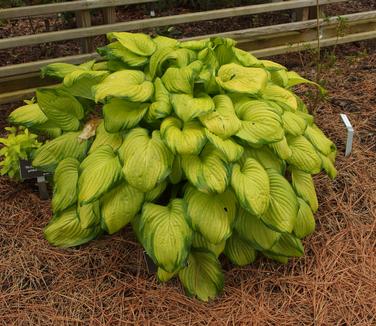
<point>161,107</point>
<point>120,114</point>
<point>138,43</point>
<point>61,108</point>
<point>167,233</point>
<point>283,204</point>
<point>303,184</point>
<point>287,245</point>
<point>259,125</point>
<point>209,171</point>
<point>156,192</point>
<point>183,137</point>
<point>188,107</point>
<point>147,160</point>
<point>89,215</point>
<point>65,185</point>
<point>304,155</point>
<point>116,51</point>
<point>199,241</point>
<point>102,137</point>
<point>64,230</point>
<point>130,85</point>
<point>203,276</point>
<point>305,222</point>
<point>238,79</point>
<point>51,153</point>
<point>266,158</point>
<point>293,123</point>
<point>252,229</point>
<point>229,148</point>
<point>119,206</point>
<point>99,172</point>
<point>239,252</point>
<point>280,95</point>
<point>211,215</point>
<point>27,115</point>
<point>222,121</point>
<point>319,140</point>
<point>251,184</point>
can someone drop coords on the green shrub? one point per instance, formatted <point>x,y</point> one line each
<point>18,145</point>
<point>202,147</point>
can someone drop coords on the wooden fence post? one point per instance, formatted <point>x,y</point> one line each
<point>83,19</point>
<point>109,15</point>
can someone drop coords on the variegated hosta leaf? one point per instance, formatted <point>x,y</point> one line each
<point>303,184</point>
<point>208,172</point>
<point>239,252</point>
<point>167,234</point>
<point>27,115</point>
<point>266,158</point>
<point>295,79</point>
<point>293,123</point>
<point>47,157</point>
<point>164,276</point>
<point>259,125</point>
<point>65,185</point>
<point>64,230</point>
<point>203,276</point>
<point>211,215</point>
<point>251,184</point>
<point>61,108</point>
<point>253,230</point>
<point>177,173</point>
<point>304,155</point>
<point>280,95</point>
<point>119,206</point>
<point>196,45</point>
<point>130,85</point>
<point>47,128</point>
<point>223,49</point>
<point>328,166</point>
<point>169,56</point>
<point>120,114</point>
<point>156,192</point>
<point>183,137</point>
<point>283,207</point>
<point>287,245</point>
<point>272,66</point>
<point>117,51</point>
<point>281,148</point>
<point>138,43</point>
<point>180,80</point>
<point>80,82</point>
<point>237,79</point>
<point>223,121</point>
<point>60,70</point>
<point>279,77</point>
<point>199,241</point>
<point>305,222</point>
<point>319,140</point>
<point>229,148</point>
<point>99,172</point>
<point>161,107</point>
<point>164,42</point>
<point>188,107</point>
<point>102,137</point>
<point>147,160</point>
<point>89,214</point>
<point>246,59</point>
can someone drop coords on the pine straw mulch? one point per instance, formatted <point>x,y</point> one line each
<point>106,282</point>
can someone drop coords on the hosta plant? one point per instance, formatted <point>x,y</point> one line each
<point>204,149</point>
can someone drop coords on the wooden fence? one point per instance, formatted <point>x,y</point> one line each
<point>301,34</point>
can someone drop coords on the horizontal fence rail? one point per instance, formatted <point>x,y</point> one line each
<point>15,80</point>
<point>157,22</point>
<point>54,8</point>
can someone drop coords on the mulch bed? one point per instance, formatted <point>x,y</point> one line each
<point>106,282</point>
